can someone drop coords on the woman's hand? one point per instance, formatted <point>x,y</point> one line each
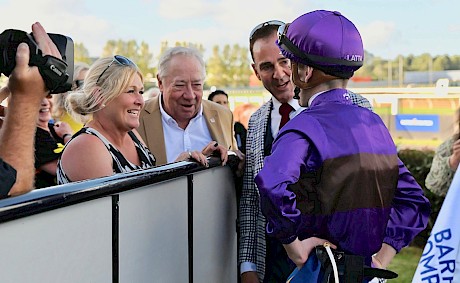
<point>214,148</point>
<point>63,130</point>
<point>202,156</point>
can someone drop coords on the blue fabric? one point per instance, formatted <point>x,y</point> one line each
<point>7,177</point>
<point>309,273</point>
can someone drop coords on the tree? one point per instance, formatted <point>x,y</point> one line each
<point>229,68</point>
<point>442,63</point>
<point>366,71</point>
<point>420,63</point>
<point>455,61</point>
<point>165,45</point>
<point>215,68</point>
<point>81,54</point>
<point>137,53</point>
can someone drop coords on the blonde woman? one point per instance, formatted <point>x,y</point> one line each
<point>109,143</point>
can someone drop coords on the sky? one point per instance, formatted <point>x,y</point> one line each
<point>388,27</point>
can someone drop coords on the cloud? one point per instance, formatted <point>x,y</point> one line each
<point>63,17</point>
<point>454,28</point>
<point>379,37</point>
<point>377,33</point>
<point>226,23</point>
<point>180,9</point>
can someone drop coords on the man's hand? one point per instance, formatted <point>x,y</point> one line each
<point>249,277</point>
<point>25,79</point>
<point>384,256</point>
<point>193,155</point>
<point>298,251</point>
<point>18,130</point>
<point>4,92</point>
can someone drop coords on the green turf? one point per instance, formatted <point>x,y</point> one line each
<point>405,263</point>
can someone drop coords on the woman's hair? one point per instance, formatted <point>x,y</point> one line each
<point>169,54</point>
<point>78,68</point>
<point>102,84</point>
<point>59,99</point>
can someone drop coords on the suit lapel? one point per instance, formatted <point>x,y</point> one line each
<point>262,124</point>
<point>153,130</point>
<point>214,123</point>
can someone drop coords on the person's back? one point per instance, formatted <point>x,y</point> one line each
<point>366,159</point>
<point>333,177</point>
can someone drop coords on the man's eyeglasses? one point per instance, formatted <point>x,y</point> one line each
<point>259,26</point>
<point>122,60</point>
<point>282,30</point>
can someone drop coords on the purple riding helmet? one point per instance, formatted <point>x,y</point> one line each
<point>324,40</point>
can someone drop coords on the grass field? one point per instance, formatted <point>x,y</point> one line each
<point>417,144</point>
<point>405,264</point>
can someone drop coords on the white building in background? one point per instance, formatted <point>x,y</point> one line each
<point>426,77</point>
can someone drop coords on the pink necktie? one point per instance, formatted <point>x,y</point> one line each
<point>285,109</point>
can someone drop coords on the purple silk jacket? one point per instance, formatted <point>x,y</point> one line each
<point>334,173</point>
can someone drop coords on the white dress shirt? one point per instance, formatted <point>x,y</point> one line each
<point>275,115</point>
<point>177,140</point>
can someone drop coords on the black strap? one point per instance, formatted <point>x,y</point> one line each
<point>332,66</point>
<point>351,268</point>
<point>380,273</point>
<point>53,71</point>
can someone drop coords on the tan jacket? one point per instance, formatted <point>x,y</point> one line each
<point>218,118</point>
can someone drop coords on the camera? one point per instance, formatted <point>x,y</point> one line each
<point>56,73</point>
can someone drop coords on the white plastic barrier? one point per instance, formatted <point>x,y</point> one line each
<point>175,223</point>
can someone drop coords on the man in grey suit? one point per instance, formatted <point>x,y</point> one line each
<point>263,259</point>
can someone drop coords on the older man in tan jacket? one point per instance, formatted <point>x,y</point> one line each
<point>178,124</point>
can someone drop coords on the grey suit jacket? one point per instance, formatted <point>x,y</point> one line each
<point>252,221</point>
<point>218,118</point>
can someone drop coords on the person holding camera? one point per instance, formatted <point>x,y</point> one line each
<point>26,89</point>
<point>109,142</point>
<point>50,139</point>
<point>334,174</point>
<point>445,163</point>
